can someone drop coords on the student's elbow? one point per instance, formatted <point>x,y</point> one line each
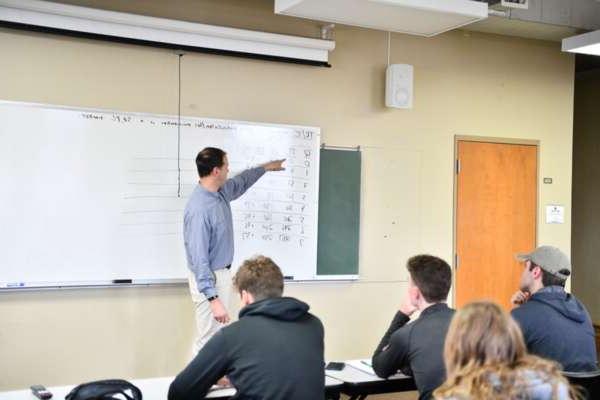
<point>380,368</point>
<point>173,393</point>
<point>184,389</point>
<point>382,373</point>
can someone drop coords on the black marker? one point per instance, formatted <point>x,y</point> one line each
<point>122,281</point>
<point>288,278</point>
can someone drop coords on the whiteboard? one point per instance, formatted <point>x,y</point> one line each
<point>97,197</point>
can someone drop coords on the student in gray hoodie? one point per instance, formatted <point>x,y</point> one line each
<point>555,324</point>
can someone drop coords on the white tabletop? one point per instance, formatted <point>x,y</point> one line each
<point>152,389</point>
<point>351,374</point>
<point>332,382</point>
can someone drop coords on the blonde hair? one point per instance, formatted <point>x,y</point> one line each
<point>486,357</point>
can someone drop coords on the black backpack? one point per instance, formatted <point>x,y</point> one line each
<point>105,390</point>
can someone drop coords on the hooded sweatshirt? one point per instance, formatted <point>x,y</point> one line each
<point>274,351</point>
<point>532,385</point>
<point>416,348</point>
<point>557,326</point>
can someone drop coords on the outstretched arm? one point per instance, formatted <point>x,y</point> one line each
<point>237,186</point>
<point>275,165</point>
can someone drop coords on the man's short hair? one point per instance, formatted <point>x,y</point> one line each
<point>261,277</point>
<point>208,159</point>
<point>432,275</point>
<point>548,279</point>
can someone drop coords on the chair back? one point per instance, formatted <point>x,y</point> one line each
<point>589,382</point>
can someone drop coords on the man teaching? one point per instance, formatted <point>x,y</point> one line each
<point>208,237</point>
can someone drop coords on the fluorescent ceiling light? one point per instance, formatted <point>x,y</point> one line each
<point>94,23</point>
<point>416,17</point>
<point>587,43</point>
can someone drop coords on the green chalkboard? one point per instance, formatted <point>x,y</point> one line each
<point>339,212</point>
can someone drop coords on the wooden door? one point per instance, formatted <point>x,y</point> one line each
<point>495,218</point>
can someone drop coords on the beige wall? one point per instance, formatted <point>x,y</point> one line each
<point>465,84</point>
<point>586,192</point>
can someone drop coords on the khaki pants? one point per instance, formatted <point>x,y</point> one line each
<point>206,324</point>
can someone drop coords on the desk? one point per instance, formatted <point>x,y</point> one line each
<point>359,384</point>
<point>157,389</point>
<point>152,389</point>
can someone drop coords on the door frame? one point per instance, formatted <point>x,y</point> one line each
<point>496,140</point>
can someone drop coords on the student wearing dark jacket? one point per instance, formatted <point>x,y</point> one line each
<point>274,351</point>
<point>555,324</point>
<point>416,348</point>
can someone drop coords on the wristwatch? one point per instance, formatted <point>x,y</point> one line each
<point>211,298</point>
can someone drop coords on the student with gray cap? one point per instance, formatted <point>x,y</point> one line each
<point>555,324</point>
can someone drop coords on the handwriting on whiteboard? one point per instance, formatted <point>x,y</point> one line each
<point>278,208</point>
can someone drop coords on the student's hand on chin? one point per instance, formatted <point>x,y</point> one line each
<point>224,382</point>
<point>520,297</point>
<point>219,311</point>
<point>407,307</point>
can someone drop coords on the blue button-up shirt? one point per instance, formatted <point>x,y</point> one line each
<point>208,228</point>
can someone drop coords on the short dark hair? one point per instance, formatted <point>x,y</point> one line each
<point>261,277</point>
<point>551,280</point>
<point>208,159</point>
<point>432,275</point>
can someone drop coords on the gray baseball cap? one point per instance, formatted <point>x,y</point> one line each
<point>550,259</point>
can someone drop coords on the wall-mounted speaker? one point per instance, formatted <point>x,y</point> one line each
<point>399,86</point>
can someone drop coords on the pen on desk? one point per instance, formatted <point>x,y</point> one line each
<point>367,363</point>
<point>15,284</point>
<point>288,278</point>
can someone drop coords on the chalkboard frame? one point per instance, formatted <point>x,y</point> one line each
<point>339,214</point>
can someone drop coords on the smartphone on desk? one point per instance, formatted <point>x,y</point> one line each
<point>41,392</point>
<point>335,366</point>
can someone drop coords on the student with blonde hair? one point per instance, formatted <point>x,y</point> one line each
<point>486,358</point>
